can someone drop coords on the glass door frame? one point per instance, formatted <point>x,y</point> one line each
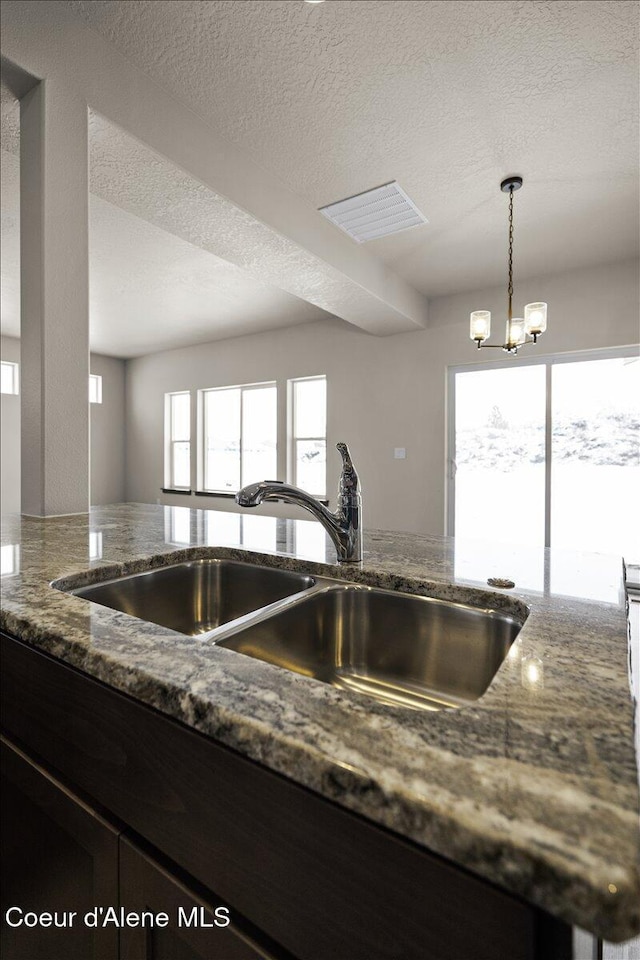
<point>549,361</point>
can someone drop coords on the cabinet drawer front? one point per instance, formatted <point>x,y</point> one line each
<point>146,885</point>
<point>320,881</point>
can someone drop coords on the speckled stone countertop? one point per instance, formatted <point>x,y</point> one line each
<point>533,787</point>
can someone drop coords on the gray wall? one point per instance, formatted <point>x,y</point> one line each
<point>107,434</point>
<point>107,476</point>
<point>382,392</point>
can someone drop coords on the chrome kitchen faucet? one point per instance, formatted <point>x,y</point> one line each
<point>344,526</point>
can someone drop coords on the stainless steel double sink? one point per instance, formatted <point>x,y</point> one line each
<point>398,648</point>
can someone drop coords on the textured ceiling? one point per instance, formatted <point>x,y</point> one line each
<point>149,288</point>
<point>127,173</point>
<point>445,97</point>
<point>152,291</point>
<point>333,99</point>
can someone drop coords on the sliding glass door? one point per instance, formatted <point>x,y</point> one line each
<point>499,461</point>
<point>546,452</point>
<point>595,470</point>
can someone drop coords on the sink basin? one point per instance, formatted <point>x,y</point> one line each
<point>197,596</point>
<point>398,648</point>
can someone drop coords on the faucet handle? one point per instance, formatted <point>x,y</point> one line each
<point>349,483</point>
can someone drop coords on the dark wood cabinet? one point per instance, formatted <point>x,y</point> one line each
<point>58,856</point>
<point>147,886</point>
<point>306,877</point>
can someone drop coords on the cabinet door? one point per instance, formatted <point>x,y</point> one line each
<point>147,886</point>
<point>58,856</point>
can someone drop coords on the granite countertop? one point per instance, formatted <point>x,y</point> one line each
<point>533,787</point>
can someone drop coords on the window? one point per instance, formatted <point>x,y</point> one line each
<point>177,433</point>
<point>546,453</point>
<point>9,559</point>
<point>95,388</point>
<point>239,436</point>
<point>595,456</point>
<point>11,381</point>
<point>10,378</point>
<point>95,544</point>
<point>308,454</point>
<point>309,540</point>
<point>177,525</point>
<point>500,454</point>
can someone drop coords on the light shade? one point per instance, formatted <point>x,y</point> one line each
<point>480,325</point>
<point>515,332</point>
<point>535,318</point>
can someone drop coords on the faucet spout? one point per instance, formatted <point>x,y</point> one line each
<point>344,526</point>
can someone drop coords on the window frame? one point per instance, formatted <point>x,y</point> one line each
<point>15,378</point>
<point>293,437</point>
<point>170,441</point>
<point>202,432</point>
<point>547,360</point>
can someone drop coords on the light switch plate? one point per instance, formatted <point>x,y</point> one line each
<point>399,453</point>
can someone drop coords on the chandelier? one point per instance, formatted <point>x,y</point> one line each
<point>520,330</point>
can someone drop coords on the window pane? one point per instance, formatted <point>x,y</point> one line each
<point>179,525</point>
<point>595,467</point>
<point>259,533</point>
<point>222,440</point>
<point>95,388</point>
<point>223,414</point>
<point>259,433</point>
<point>310,408</point>
<point>310,539</point>
<point>590,575</point>
<point>311,466</point>
<point>9,559</point>
<point>500,453</point>
<point>222,528</point>
<point>95,544</point>
<point>9,374</point>
<point>180,416</point>
<point>478,560</point>
<point>181,464</point>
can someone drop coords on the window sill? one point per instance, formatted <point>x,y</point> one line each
<point>181,491</point>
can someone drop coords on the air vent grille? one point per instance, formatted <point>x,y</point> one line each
<point>375,213</point>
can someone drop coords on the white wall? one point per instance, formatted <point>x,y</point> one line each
<point>107,434</point>
<point>382,392</point>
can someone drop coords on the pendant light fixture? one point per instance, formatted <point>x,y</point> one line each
<point>520,331</point>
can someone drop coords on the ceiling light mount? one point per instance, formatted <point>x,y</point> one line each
<point>520,331</point>
<point>511,183</point>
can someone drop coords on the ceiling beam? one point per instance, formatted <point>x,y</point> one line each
<point>315,261</point>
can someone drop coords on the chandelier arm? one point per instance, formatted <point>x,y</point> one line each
<point>505,346</point>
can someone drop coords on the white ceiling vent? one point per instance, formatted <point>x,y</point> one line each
<point>375,213</point>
